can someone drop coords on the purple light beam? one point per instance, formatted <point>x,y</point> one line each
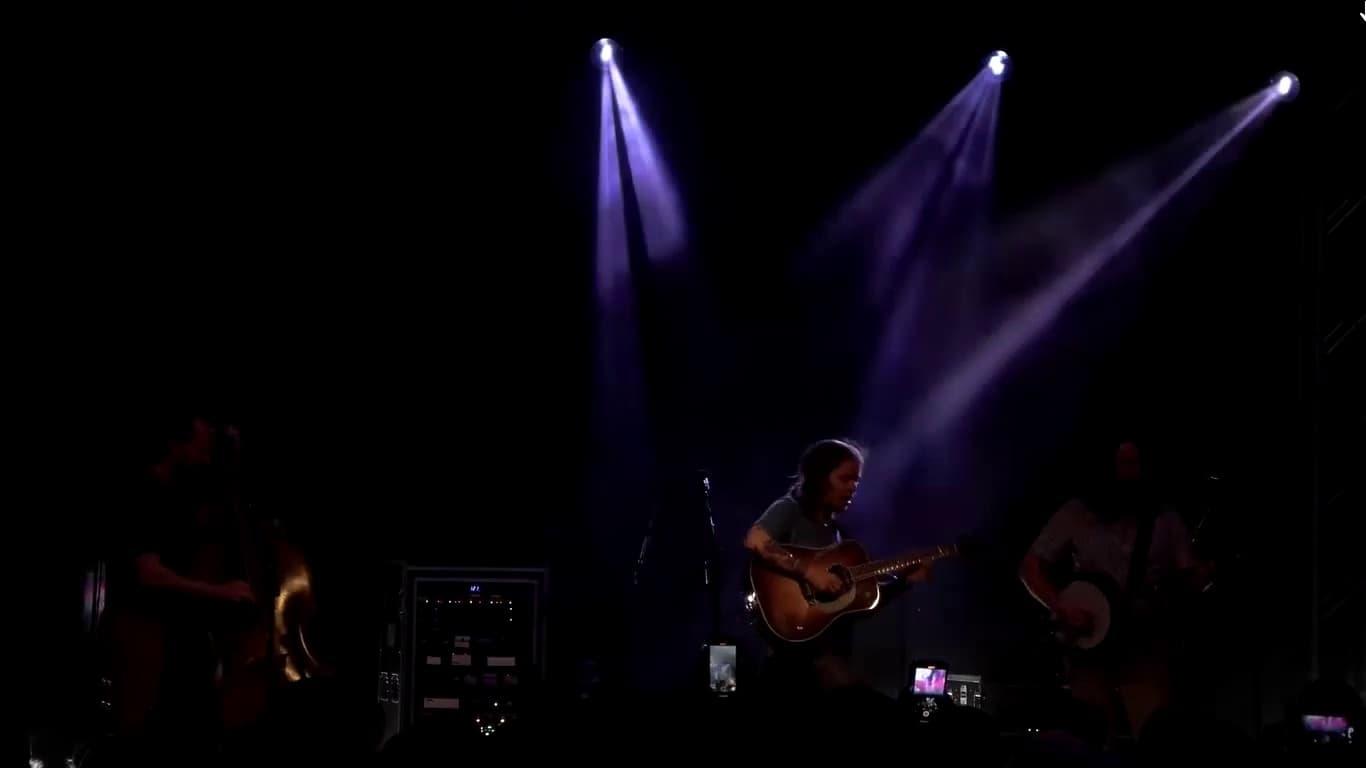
<point>955,211</point>
<point>620,429</point>
<point>955,392</point>
<point>888,210</point>
<point>660,214</point>
<point>612,259</point>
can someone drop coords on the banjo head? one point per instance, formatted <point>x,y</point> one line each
<point>1090,600</point>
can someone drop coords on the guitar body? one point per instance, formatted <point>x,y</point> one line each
<point>791,612</point>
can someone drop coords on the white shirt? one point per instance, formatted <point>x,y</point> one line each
<point>1107,546</point>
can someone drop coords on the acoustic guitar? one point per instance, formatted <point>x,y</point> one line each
<point>791,611</point>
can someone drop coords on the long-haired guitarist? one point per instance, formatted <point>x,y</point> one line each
<point>827,480</point>
<point>1121,547</point>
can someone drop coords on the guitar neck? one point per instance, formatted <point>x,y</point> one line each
<point>876,568</point>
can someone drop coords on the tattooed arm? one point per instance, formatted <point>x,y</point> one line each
<point>765,548</point>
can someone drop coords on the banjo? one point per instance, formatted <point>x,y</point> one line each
<point>1109,609</point>
<point>1115,614</point>
<point>1101,601</point>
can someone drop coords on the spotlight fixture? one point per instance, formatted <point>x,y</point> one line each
<point>997,63</point>
<point>1286,85</point>
<point>603,51</point>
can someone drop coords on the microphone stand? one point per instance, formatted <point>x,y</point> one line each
<point>644,548</point>
<point>711,558</point>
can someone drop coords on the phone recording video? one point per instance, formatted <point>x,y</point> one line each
<point>929,681</point>
<point>1328,729</point>
<point>721,669</point>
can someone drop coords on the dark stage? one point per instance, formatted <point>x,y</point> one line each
<point>512,329</point>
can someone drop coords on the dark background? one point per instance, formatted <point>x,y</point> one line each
<point>370,241</point>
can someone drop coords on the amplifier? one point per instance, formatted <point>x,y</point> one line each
<point>465,647</point>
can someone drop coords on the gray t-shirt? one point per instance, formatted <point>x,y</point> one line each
<point>1107,546</point>
<point>787,524</point>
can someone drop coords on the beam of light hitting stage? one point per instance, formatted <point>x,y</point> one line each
<point>888,211</point>
<point>1145,193</point>
<point>661,216</point>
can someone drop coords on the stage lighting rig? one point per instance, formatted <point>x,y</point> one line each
<point>997,63</point>
<point>1286,86</point>
<point>604,51</point>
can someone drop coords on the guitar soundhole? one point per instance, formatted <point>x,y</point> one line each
<point>815,599</point>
